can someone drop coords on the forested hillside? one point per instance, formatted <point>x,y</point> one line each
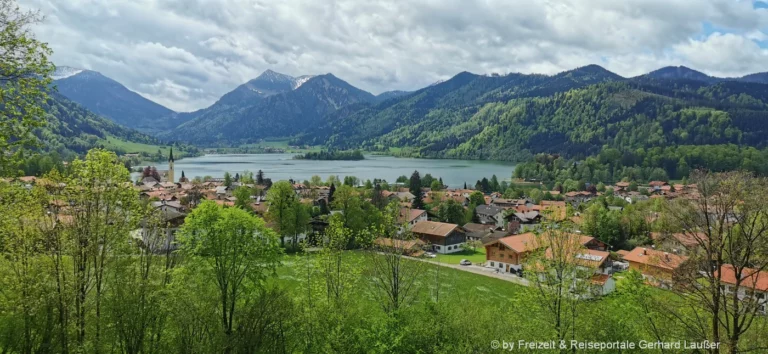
<point>574,114</point>
<point>72,129</point>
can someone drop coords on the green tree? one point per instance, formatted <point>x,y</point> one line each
<point>260,177</point>
<point>377,198</point>
<point>494,184</point>
<point>348,202</point>
<point>415,189</point>
<point>103,210</point>
<point>300,221</point>
<point>396,278</point>
<point>235,251</point>
<point>559,280</point>
<point>25,283</point>
<point>316,181</point>
<point>451,211</point>
<point>24,79</point>
<point>477,198</point>
<point>227,179</point>
<point>243,195</point>
<point>436,186</point>
<point>282,200</point>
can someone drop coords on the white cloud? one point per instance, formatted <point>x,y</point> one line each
<point>187,53</point>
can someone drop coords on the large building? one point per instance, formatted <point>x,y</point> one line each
<point>442,237</point>
<point>508,254</point>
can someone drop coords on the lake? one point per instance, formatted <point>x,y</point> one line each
<point>283,167</point>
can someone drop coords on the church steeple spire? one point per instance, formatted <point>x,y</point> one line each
<point>170,167</point>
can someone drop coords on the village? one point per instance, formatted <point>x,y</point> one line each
<point>503,233</point>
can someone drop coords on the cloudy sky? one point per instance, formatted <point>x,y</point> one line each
<point>186,53</point>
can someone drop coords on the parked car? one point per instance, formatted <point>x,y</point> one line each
<point>465,262</point>
<point>430,255</point>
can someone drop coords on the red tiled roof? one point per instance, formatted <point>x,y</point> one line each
<point>655,258</point>
<point>408,215</point>
<point>686,239</point>
<point>520,243</point>
<point>600,279</point>
<point>750,278</point>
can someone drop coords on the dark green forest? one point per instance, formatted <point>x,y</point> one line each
<point>331,155</point>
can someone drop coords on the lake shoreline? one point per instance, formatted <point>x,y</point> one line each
<point>283,167</point>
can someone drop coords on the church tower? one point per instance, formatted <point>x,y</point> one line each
<point>170,168</point>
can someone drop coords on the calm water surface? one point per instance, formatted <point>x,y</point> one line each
<point>283,167</point>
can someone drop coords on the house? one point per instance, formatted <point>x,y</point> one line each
<point>406,196</point>
<point>523,221</point>
<point>658,268</point>
<point>509,253</point>
<point>442,237</point>
<point>484,233</point>
<point>602,284</point>
<point>593,266</point>
<point>507,203</point>
<point>658,186</point>
<point>578,197</point>
<point>299,188</point>
<point>169,223</point>
<point>413,248</point>
<point>552,210</point>
<point>678,242</point>
<point>390,196</point>
<point>165,205</point>
<point>753,285</point>
<point>622,186</point>
<point>149,181</point>
<point>222,191</point>
<point>412,216</point>
<point>168,185</point>
<point>490,214</point>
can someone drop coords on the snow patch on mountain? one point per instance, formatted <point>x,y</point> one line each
<point>63,72</point>
<point>297,82</point>
<point>275,77</point>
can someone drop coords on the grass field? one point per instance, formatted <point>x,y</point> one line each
<point>476,257</point>
<point>112,143</point>
<point>454,284</point>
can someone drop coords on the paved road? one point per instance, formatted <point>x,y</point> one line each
<point>488,272</point>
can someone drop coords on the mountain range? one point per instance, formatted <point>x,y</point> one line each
<point>108,98</point>
<point>495,116</point>
<point>270,105</point>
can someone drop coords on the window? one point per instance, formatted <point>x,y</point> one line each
<point>501,265</point>
<point>492,265</point>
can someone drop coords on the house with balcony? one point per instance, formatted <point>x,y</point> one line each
<point>441,237</point>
